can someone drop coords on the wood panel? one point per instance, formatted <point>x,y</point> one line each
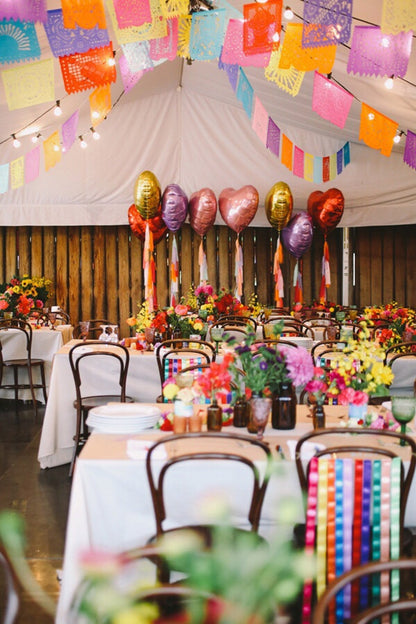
<point>97,271</point>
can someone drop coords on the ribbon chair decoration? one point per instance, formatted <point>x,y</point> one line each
<point>202,261</point>
<point>326,273</point>
<point>298,281</point>
<point>353,517</point>
<point>238,271</point>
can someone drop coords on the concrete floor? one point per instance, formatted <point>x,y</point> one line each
<point>41,496</point>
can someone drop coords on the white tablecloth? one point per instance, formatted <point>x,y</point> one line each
<point>56,444</point>
<point>111,507</point>
<point>45,343</point>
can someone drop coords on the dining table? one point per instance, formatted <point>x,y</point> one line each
<point>111,506</point>
<point>45,343</point>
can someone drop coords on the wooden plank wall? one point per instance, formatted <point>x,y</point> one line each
<point>97,271</point>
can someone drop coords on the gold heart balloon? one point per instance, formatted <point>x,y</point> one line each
<point>279,205</point>
<point>147,194</point>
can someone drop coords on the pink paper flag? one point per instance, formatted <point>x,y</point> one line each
<point>260,122</point>
<point>330,100</point>
<point>128,77</point>
<point>232,51</point>
<point>32,162</point>
<point>166,47</point>
<point>132,13</point>
<point>298,161</point>
<point>69,131</point>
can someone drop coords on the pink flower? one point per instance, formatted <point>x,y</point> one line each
<point>299,365</point>
<point>181,310</point>
<point>3,304</point>
<point>356,397</point>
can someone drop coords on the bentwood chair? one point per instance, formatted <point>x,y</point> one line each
<point>232,319</point>
<point>356,490</point>
<point>398,592</point>
<point>171,356</point>
<point>26,363</point>
<point>94,358</point>
<point>189,459</point>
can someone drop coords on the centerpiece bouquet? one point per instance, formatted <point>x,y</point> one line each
<point>22,295</point>
<point>401,323</point>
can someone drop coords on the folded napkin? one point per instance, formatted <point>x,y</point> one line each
<point>308,449</point>
<point>137,449</point>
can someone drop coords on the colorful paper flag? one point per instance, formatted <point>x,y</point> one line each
<point>31,84</point>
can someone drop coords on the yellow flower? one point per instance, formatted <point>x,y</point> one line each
<point>16,289</point>
<point>26,282</point>
<point>198,325</point>
<point>170,391</point>
<point>144,613</point>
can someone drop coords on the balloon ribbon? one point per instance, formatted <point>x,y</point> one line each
<point>278,275</point>
<point>203,267</point>
<point>326,274</point>
<point>174,274</point>
<point>238,270</point>
<point>149,270</point>
<point>297,282</point>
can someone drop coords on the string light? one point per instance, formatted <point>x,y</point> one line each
<point>16,142</point>
<point>398,137</point>
<point>36,137</point>
<point>95,134</point>
<point>288,13</point>
<point>56,147</point>
<point>276,37</point>
<point>82,142</point>
<point>389,83</point>
<point>112,60</point>
<point>57,110</point>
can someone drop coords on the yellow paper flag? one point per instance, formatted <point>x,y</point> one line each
<point>31,84</point>
<point>100,104</point>
<point>17,172</point>
<point>52,150</point>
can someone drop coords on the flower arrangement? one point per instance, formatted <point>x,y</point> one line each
<point>203,293</point>
<point>374,420</point>
<point>172,391</point>
<point>359,371</point>
<point>22,295</point>
<point>266,367</point>
<point>216,378</point>
<point>143,318</point>
<point>402,323</point>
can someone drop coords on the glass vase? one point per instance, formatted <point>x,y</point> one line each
<point>214,416</point>
<point>260,411</point>
<point>357,412</point>
<point>240,417</point>
<point>318,416</point>
<point>284,408</point>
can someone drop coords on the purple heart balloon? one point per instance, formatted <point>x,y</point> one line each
<point>174,207</point>
<point>297,235</point>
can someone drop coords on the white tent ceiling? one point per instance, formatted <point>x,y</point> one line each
<point>184,123</point>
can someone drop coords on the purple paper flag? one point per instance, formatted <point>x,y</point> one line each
<point>374,53</point>
<point>231,71</point>
<point>273,137</point>
<point>326,22</point>
<point>64,41</point>
<point>32,161</point>
<point>25,10</point>
<point>69,131</point>
<point>330,100</point>
<point>409,156</point>
<point>18,41</point>
<point>298,161</point>
<point>340,159</point>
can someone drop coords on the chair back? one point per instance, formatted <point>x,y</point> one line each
<point>393,601</point>
<point>322,350</point>
<point>233,319</point>
<point>10,605</point>
<point>25,330</point>
<point>88,353</point>
<point>172,356</point>
<point>181,450</point>
<point>356,495</point>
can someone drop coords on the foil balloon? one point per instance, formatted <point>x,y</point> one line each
<point>138,224</point>
<point>147,194</point>
<point>174,207</point>
<point>297,235</point>
<point>326,209</point>
<point>279,205</point>
<point>202,210</point>
<point>238,208</point>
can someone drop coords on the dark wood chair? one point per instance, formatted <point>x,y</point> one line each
<point>400,600</point>
<point>233,319</point>
<point>93,352</point>
<point>206,447</point>
<point>27,363</point>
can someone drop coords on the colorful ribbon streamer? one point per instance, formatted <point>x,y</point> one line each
<point>326,274</point>
<point>297,282</point>
<point>278,275</point>
<point>149,269</point>
<point>174,274</point>
<point>310,536</point>
<point>238,270</point>
<point>203,267</point>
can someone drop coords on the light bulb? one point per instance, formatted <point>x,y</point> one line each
<point>397,138</point>
<point>385,42</point>
<point>82,142</point>
<point>288,13</point>
<point>95,134</point>
<point>276,37</point>
<point>111,61</point>
<point>389,83</point>
<point>371,116</point>
<point>95,114</point>
<point>57,110</point>
<point>36,137</point>
<point>16,142</point>
<point>56,148</point>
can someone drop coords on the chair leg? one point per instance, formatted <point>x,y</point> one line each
<point>32,390</point>
<point>16,381</point>
<point>43,380</point>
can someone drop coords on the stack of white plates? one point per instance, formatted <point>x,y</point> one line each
<point>123,418</point>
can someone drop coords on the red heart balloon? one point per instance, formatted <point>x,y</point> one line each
<point>202,210</point>
<point>238,208</point>
<point>326,209</point>
<point>138,224</point>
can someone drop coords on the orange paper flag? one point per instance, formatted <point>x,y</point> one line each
<point>83,13</point>
<point>52,150</point>
<point>376,130</point>
<point>305,59</point>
